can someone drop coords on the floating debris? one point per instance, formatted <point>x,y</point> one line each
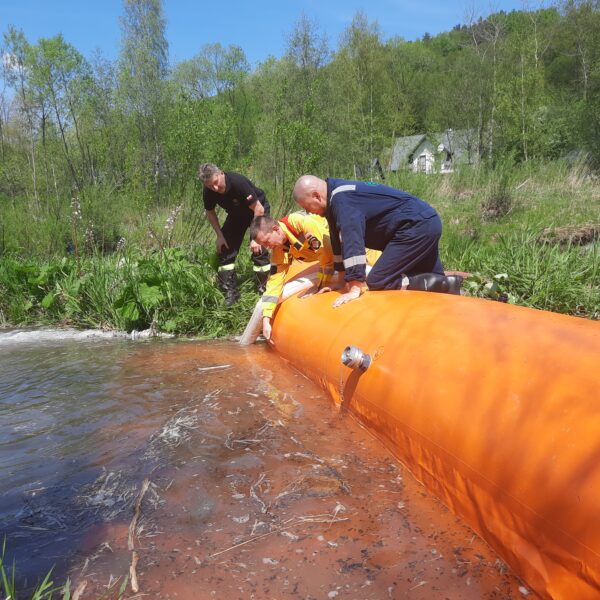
<point>213,368</point>
<point>242,519</point>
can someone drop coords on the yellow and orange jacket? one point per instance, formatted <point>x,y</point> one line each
<point>301,231</point>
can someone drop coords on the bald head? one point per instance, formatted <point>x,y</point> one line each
<point>310,193</point>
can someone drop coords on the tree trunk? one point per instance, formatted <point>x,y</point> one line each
<point>63,138</point>
<point>523,126</point>
<point>85,159</point>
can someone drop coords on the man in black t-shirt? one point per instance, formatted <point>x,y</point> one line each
<point>242,201</point>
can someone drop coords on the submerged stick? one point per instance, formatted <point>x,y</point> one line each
<point>300,520</point>
<point>258,537</point>
<point>254,495</point>
<point>136,515</point>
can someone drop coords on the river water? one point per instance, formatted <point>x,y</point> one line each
<point>185,469</point>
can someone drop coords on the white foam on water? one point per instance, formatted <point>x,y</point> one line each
<point>35,336</point>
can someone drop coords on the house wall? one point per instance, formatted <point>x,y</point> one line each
<point>423,159</point>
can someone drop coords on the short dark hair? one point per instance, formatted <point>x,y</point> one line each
<point>261,224</point>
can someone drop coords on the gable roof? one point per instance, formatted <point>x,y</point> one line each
<point>460,143</point>
<point>402,149</point>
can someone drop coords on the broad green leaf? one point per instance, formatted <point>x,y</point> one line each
<point>129,312</point>
<point>48,300</point>
<point>150,296</point>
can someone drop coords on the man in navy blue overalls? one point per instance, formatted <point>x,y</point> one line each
<point>361,215</point>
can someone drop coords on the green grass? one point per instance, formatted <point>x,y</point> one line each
<point>493,226</point>
<point>493,223</point>
<point>45,590</point>
<point>534,274</point>
<point>171,290</point>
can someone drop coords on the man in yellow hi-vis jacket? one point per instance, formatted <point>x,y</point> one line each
<point>296,236</point>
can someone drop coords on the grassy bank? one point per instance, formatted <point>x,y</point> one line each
<point>171,291</point>
<point>530,231</point>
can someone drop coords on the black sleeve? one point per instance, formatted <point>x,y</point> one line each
<point>243,187</point>
<point>209,200</point>
<point>249,190</point>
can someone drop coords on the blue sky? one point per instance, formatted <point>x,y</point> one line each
<point>260,27</point>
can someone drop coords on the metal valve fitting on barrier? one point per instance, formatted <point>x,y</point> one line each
<point>355,358</point>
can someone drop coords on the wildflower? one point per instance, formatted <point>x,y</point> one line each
<point>172,217</point>
<point>76,209</point>
<point>90,240</point>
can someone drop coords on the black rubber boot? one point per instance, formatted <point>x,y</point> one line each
<point>229,286</point>
<point>433,282</point>
<point>261,281</point>
<point>454,284</point>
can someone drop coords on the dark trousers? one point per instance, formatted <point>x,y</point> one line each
<point>411,251</point>
<point>234,230</point>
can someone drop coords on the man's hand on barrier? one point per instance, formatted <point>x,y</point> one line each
<point>353,290</point>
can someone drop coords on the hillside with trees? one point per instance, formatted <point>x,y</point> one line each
<point>95,153</point>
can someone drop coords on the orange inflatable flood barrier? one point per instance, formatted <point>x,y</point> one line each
<point>494,408</point>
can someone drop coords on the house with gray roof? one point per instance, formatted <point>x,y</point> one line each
<point>435,153</point>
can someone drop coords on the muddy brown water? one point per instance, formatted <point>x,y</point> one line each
<point>218,472</point>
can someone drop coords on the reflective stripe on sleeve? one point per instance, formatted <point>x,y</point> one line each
<point>343,188</point>
<point>355,260</point>
<point>269,304</point>
<point>261,269</point>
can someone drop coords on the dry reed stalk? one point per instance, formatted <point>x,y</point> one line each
<point>135,588</point>
<point>79,590</point>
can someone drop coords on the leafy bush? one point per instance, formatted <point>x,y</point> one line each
<point>170,290</point>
